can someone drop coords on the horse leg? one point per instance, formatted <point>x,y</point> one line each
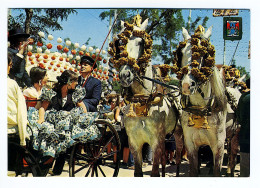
<point>218,154</point>
<point>178,135</point>
<point>158,157</point>
<point>193,160</point>
<point>137,154</point>
<point>234,151</point>
<point>163,159</point>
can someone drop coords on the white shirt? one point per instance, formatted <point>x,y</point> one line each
<point>16,111</point>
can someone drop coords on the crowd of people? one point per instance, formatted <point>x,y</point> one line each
<point>64,113</point>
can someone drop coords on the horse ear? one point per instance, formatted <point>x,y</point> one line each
<point>208,32</point>
<point>122,24</point>
<point>242,78</point>
<point>185,34</point>
<point>144,25</point>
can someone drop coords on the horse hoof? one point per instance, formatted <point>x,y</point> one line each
<point>138,174</point>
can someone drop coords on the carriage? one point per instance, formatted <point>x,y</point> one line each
<point>96,160</point>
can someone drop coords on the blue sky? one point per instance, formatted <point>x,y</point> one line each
<point>79,27</point>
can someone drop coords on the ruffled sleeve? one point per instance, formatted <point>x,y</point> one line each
<point>78,94</point>
<point>47,94</point>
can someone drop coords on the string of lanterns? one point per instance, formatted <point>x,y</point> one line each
<point>65,57</point>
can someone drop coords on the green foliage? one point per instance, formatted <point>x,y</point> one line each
<point>116,87</point>
<point>38,19</point>
<point>173,82</point>
<point>163,26</point>
<point>243,71</point>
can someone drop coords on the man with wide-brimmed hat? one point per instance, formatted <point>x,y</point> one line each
<point>91,84</point>
<point>18,43</point>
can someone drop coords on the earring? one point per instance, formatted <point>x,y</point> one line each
<point>40,82</point>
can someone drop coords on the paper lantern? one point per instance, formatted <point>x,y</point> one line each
<point>104,61</point>
<point>64,55</point>
<point>104,52</point>
<point>37,55</point>
<point>59,47</point>
<point>81,53</point>
<point>83,47</point>
<point>41,34</point>
<point>90,49</point>
<point>93,56</point>
<point>73,52</point>
<point>99,58</point>
<point>56,54</point>
<point>32,62</point>
<point>29,53</point>
<point>97,50</point>
<point>87,54</point>
<point>49,45</point>
<point>65,67</point>
<point>76,45</point>
<point>50,37</point>
<point>29,47</point>
<point>66,50</point>
<point>59,40</point>
<point>67,59</point>
<point>40,58</point>
<point>49,67</point>
<point>57,65</point>
<point>77,57</point>
<point>53,57</point>
<point>45,61</point>
<point>73,62</point>
<point>39,50</point>
<point>68,43</point>
<point>61,58</point>
<point>70,56</point>
<point>47,51</point>
<point>45,56</point>
<point>30,58</point>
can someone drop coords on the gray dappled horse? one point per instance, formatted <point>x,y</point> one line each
<point>202,99</point>
<point>161,115</point>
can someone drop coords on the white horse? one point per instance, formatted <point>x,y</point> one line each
<point>206,100</point>
<point>160,116</point>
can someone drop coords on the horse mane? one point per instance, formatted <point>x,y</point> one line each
<point>218,88</point>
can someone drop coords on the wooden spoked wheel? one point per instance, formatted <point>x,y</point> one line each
<point>99,157</point>
<point>24,161</point>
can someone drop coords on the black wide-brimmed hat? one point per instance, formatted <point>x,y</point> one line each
<point>88,60</point>
<point>17,33</point>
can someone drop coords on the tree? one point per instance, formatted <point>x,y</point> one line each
<point>164,26</point>
<point>241,69</point>
<point>37,19</point>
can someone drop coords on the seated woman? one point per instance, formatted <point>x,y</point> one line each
<point>61,119</point>
<point>39,79</point>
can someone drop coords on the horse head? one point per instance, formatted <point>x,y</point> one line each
<point>134,49</point>
<point>192,54</point>
<point>131,51</point>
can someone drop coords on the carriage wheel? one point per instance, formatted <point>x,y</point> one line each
<point>24,162</point>
<point>97,159</point>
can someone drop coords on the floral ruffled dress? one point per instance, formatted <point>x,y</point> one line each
<point>61,129</point>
